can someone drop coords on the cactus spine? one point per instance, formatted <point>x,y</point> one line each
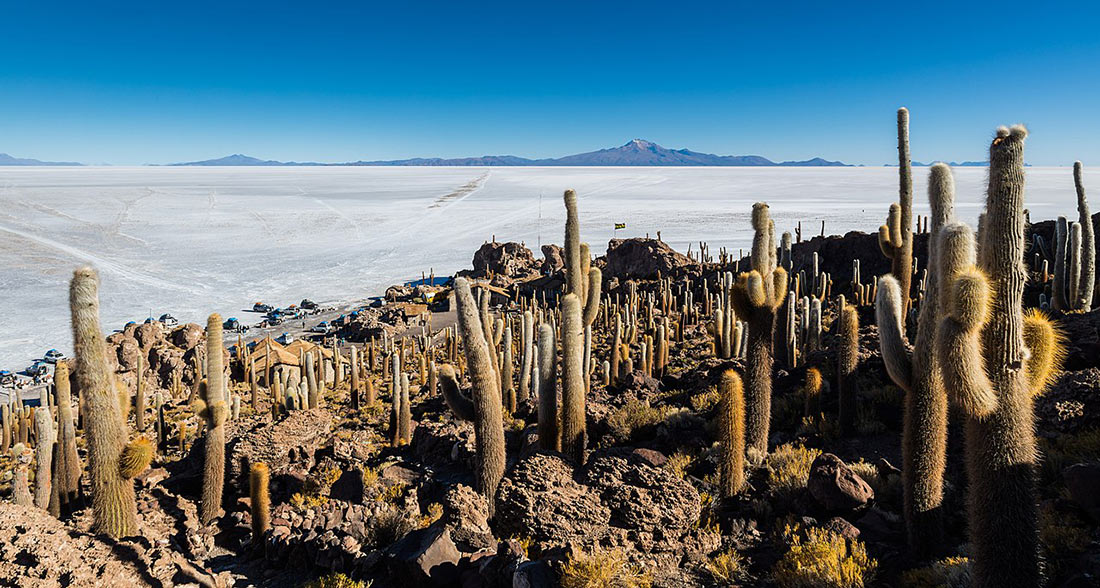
<point>731,431</point>
<point>113,502</point>
<point>258,478</point>
<point>214,411</point>
<point>985,303</point>
<point>488,421</point>
<point>1087,282</point>
<point>895,238</point>
<point>757,295</point>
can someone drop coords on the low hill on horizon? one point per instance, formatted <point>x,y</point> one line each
<point>637,152</point>
<point>6,159</point>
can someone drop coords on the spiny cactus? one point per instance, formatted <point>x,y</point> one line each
<point>21,487</point>
<point>311,380</point>
<point>527,333</point>
<point>404,422</point>
<point>258,478</point>
<point>895,238</point>
<point>847,365</point>
<point>812,390</point>
<point>985,303</point>
<point>354,378</point>
<point>1073,262</point>
<point>214,410</point>
<point>549,433</point>
<point>6,423</point>
<point>1088,286</point>
<point>572,388</point>
<point>113,502</point>
<point>488,417</point>
<point>731,432</point>
<point>507,372</point>
<point>67,464</point>
<point>139,394</point>
<point>917,373</point>
<point>1059,300</point>
<point>757,295</point>
<point>43,456</point>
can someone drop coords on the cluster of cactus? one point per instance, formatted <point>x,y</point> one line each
<point>112,462</point>
<point>994,359</point>
<point>917,373</point>
<point>1074,279</point>
<point>757,295</point>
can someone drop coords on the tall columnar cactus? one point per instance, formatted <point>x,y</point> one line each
<point>847,366</point>
<point>21,487</point>
<point>572,379</point>
<point>508,389</point>
<point>43,456</point>
<point>139,394</point>
<point>527,332</point>
<point>258,478</point>
<point>214,410</point>
<point>1087,283</point>
<point>757,295</point>
<point>731,433</point>
<point>985,327</point>
<point>354,378</point>
<point>1073,263</point>
<point>1059,300</point>
<point>404,422</point>
<point>311,381</point>
<point>895,238</point>
<point>549,433</point>
<point>917,373</point>
<point>578,314</point>
<point>5,423</point>
<point>113,502</point>
<point>488,417</point>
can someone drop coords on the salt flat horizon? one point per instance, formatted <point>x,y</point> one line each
<point>194,240</point>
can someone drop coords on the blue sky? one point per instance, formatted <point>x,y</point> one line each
<point>134,83</point>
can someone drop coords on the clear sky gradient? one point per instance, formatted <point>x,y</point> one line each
<point>151,82</point>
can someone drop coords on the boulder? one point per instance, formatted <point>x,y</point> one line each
<point>1083,483</point>
<point>424,556</point>
<point>540,499</point>
<point>533,574</point>
<point>149,335</point>
<point>511,259</point>
<point>553,259</point>
<point>291,441</point>
<point>639,258</point>
<point>188,336</point>
<point>467,514</point>
<point>642,496</point>
<point>128,351</point>
<point>835,486</point>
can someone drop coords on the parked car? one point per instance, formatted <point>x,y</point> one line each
<point>7,378</point>
<point>38,368</point>
<point>53,356</point>
<point>308,304</point>
<point>285,339</point>
<point>168,320</point>
<point>321,327</point>
<point>261,307</point>
<point>232,324</point>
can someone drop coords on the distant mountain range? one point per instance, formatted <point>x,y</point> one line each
<point>6,159</point>
<point>638,152</point>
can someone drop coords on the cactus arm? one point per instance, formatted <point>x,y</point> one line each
<point>592,303</point>
<point>572,395</point>
<point>1046,345</point>
<point>891,335</point>
<point>460,405</point>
